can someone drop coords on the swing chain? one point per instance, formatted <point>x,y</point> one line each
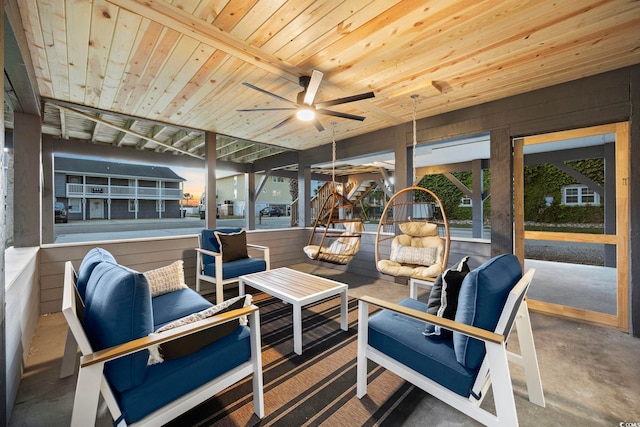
<point>415,138</point>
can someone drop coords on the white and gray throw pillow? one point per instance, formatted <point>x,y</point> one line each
<point>443,299</point>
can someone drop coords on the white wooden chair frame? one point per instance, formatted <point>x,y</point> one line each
<point>92,383</point>
<point>493,372</point>
<point>218,281</point>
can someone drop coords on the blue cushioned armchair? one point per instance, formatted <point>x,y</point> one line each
<point>211,268</point>
<point>458,369</point>
<point>113,323</point>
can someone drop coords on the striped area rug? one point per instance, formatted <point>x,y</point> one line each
<point>316,388</point>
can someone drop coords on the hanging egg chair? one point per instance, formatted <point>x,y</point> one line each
<point>413,236</point>
<point>336,231</point>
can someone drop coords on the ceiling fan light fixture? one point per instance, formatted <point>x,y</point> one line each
<point>305,114</point>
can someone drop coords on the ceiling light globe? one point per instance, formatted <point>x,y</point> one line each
<point>305,114</point>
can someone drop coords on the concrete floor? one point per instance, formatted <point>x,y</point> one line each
<point>589,373</point>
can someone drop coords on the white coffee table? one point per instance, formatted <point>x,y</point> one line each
<point>298,289</point>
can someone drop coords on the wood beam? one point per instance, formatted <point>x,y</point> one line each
<point>111,125</point>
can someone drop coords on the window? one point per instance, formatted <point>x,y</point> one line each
<point>133,205</point>
<point>75,205</point>
<point>235,180</point>
<point>159,205</point>
<point>278,179</point>
<point>578,196</point>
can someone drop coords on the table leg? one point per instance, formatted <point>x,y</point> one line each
<point>343,311</point>
<point>297,328</point>
<point>240,287</point>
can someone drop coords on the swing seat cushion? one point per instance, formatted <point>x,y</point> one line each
<point>342,249</point>
<point>418,252</point>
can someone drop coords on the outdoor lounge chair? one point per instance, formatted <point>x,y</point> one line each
<point>459,368</point>
<point>214,266</point>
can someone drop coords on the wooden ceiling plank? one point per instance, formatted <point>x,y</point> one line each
<point>233,13</point>
<point>124,39</point>
<point>356,62</point>
<point>78,28</point>
<point>35,39</point>
<point>168,69</point>
<point>248,98</point>
<point>206,10</point>
<point>103,22</point>
<point>180,80</point>
<point>156,59</point>
<point>254,18</point>
<point>273,24</point>
<point>197,87</point>
<point>228,79</point>
<point>54,38</point>
<point>184,23</point>
<point>148,33</point>
<point>300,24</point>
<point>340,21</point>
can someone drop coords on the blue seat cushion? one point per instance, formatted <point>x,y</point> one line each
<point>400,337</point>
<point>209,242</point>
<point>94,257</point>
<point>167,381</point>
<point>237,268</point>
<point>482,297</point>
<point>175,305</point>
<point>118,310</point>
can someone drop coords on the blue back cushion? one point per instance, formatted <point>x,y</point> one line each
<point>118,309</point>
<point>209,242</point>
<point>483,294</point>
<point>94,257</point>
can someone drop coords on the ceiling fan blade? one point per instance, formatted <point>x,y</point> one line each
<point>345,100</point>
<point>339,114</point>
<point>284,121</point>
<point>266,92</point>
<point>317,124</point>
<point>269,109</point>
<point>312,88</point>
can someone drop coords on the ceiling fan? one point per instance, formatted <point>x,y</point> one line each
<point>304,107</point>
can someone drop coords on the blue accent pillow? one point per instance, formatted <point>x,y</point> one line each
<point>443,298</point>
<point>483,294</point>
<point>94,257</point>
<point>117,310</point>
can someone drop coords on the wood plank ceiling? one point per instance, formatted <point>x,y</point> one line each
<point>181,63</point>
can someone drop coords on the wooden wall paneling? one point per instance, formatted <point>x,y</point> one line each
<point>634,208</point>
<point>623,184</point>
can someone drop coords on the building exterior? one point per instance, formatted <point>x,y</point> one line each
<point>94,189</point>
<point>274,193</point>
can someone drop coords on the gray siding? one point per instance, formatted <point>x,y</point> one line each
<point>146,254</point>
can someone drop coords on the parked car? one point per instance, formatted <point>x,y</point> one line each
<point>60,212</point>
<point>271,211</point>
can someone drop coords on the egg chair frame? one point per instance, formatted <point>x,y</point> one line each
<point>335,237</point>
<point>413,222</point>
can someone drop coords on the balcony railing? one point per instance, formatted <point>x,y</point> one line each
<point>95,191</point>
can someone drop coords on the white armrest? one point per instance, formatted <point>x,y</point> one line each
<point>463,328</point>
<point>129,347</point>
<point>208,252</point>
